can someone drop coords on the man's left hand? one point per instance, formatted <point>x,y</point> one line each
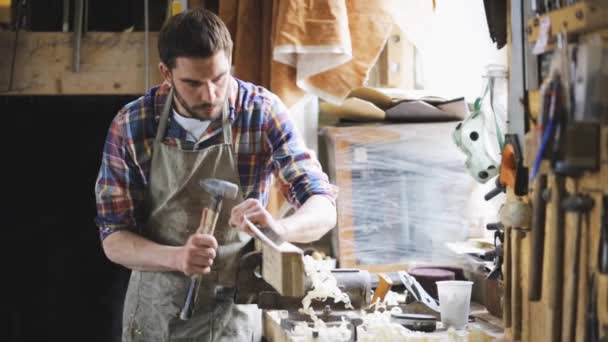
<point>255,212</point>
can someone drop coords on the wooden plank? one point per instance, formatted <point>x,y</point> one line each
<point>112,63</point>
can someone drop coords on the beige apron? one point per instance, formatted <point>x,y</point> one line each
<point>174,202</point>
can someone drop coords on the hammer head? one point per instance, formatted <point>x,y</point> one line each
<point>220,188</point>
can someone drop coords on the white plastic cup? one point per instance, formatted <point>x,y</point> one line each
<point>454,302</point>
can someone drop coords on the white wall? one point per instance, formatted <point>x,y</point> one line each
<point>454,43</point>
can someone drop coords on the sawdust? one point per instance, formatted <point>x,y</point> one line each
<point>324,285</point>
<point>377,325</point>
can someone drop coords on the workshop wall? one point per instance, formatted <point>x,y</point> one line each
<point>61,287</point>
<point>453,44</point>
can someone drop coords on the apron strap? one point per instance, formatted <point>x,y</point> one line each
<point>164,117</point>
<point>226,126</point>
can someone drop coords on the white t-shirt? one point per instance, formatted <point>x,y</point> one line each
<point>195,127</point>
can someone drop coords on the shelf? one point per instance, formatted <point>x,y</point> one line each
<point>111,63</point>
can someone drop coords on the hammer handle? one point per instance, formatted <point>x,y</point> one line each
<point>537,240</point>
<point>188,308</point>
<point>207,225</point>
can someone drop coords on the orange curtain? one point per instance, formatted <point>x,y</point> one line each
<point>326,47</point>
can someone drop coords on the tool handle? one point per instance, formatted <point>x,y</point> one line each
<point>493,193</point>
<point>209,217</point>
<point>603,250</point>
<point>537,240</point>
<point>188,307</point>
<point>384,285</point>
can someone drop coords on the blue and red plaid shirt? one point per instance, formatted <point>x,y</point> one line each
<point>264,140</point>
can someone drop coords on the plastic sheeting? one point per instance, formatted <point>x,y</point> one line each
<point>404,193</point>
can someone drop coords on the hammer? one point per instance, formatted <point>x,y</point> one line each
<point>219,189</point>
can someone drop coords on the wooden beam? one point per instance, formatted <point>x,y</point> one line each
<point>112,63</point>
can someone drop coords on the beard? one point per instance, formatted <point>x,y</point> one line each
<point>202,111</point>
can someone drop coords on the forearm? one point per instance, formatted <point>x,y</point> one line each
<point>309,223</point>
<point>138,253</point>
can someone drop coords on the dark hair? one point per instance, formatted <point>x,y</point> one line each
<point>194,33</point>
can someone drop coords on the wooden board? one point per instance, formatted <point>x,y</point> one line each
<point>111,63</point>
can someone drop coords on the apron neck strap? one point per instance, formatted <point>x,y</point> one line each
<point>226,126</point>
<point>164,117</point>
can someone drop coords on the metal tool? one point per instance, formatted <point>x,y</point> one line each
<point>498,253</point>
<point>8,78</point>
<point>266,235</point>
<point>218,189</point>
<point>78,21</point>
<point>355,283</point>
<point>581,149</point>
<point>418,291</point>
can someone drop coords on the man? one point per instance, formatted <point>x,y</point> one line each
<point>200,123</point>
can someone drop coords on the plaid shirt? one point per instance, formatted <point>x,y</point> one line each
<point>264,140</point>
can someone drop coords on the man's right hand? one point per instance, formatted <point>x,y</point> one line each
<point>196,256</point>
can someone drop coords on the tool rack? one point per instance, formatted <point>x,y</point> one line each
<point>558,309</point>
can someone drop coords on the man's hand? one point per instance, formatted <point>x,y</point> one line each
<point>196,256</point>
<point>257,214</point>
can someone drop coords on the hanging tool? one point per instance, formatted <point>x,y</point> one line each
<point>591,319</point>
<point>580,204</point>
<point>603,250</point>
<point>550,124</point>
<point>537,241</point>
<point>20,18</point>
<point>512,174</point>
<point>555,268</point>
<point>581,149</point>
<point>77,38</point>
<point>498,253</point>
<point>384,285</point>
<point>218,189</point>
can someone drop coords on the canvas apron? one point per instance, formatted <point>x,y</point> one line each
<point>174,202</point>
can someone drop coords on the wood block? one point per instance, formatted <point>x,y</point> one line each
<point>283,269</point>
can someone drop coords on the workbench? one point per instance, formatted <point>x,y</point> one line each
<point>485,327</point>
